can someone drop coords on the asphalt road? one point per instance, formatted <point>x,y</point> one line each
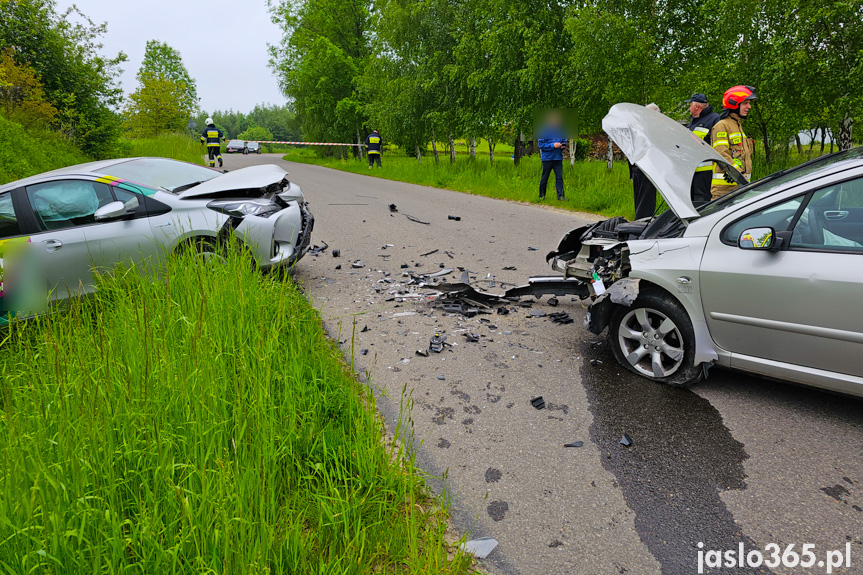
<point>736,459</point>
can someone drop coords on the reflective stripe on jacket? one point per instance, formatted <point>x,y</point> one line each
<point>212,136</point>
<point>701,127</point>
<point>731,142</point>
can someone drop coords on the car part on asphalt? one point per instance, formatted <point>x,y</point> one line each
<point>471,337</point>
<point>538,402</point>
<point>422,353</point>
<point>537,313</point>
<point>436,343</point>
<point>480,548</point>
<point>441,377</point>
<point>626,441</point>
<point>455,218</point>
<point>338,267</point>
<point>393,208</point>
<point>358,264</point>
<point>417,220</point>
<point>317,250</point>
<point>429,253</point>
<point>337,253</point>
<point>560,318</point>
<point>553,301</point>
<point>574,444</point>
<point>364,352</point>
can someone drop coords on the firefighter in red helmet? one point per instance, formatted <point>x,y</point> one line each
<point>729,139</point>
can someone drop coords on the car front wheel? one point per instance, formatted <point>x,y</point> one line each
<point>654,338</point>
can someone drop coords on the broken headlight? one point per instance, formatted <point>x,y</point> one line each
<point>241,208</point>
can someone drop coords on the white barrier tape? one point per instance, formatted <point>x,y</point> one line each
<point>303,143</point>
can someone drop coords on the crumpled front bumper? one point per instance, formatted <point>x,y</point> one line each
<point>280,240</point>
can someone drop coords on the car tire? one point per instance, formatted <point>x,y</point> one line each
<point>654,339</point>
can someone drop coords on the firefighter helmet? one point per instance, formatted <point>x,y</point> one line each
<point>735,96</point>
<point>209,121</point>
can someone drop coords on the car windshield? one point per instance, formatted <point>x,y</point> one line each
<point>253,144</point>
<point>235,143</point>
<point>778,179</point>
<point>161,173</point>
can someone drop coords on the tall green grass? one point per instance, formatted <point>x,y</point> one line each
<point>589,186</point>
<point>200,424</point>
<point>27,151</point>
<point>176,146</point>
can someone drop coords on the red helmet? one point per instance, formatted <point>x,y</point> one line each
<point>733,97</point>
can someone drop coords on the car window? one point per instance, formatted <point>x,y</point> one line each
<point>8,222</point>
<point>67,203</point>
<point>161,172</point>
<point>832,220</point>
<point>133,202</point>
<point>778,217</point>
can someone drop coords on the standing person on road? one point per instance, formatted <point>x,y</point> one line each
<point>730,141</point>
<point>702,118</point>
<point>373,143</point>
<point>213,138</point>
<point>643,190</point>
<point>551,142</point>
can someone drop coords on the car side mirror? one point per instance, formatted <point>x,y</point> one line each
<point>758,239</point>
<point>111,211</point>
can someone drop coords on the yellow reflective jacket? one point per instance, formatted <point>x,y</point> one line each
<point>728,139</point>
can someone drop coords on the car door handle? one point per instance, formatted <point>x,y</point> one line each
<point>163,225</point>
<point>836,214</point>
<point>53,245</point>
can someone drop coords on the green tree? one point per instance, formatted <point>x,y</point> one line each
<point>158,105</point>
<point>255,132</point>
<point>63,49</point>
<point>163,61</point>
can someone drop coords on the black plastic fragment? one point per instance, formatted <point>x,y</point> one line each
<point>532,249</point>
<point>364,352</point>
<point>318,250</point>
<point>626,441</point>
<point>442,378</point>
<point>365,329</point>
<point>422,353</point>
<point>404,266</point>
<point>538,402</point>
<point>503,310</point>
<point>471,337</point>
<point>429,253</point>
<point>338,267</point>
<point>560,317</point>
<point>455,218</point>
<point>393,208</point>
<point>510,268</point>
<point>553,301</point>
<point>574,444</point>
<point>337,253</point>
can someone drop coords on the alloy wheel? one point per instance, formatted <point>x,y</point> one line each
<point>651,342</point>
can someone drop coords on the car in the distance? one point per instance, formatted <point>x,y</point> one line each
<point>236,147</point>
<point>767,279</point>
<point>253,148</point>
<point>94,216</point>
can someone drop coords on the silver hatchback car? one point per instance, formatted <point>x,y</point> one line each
<point>68,222</point>
<point>767,280</point>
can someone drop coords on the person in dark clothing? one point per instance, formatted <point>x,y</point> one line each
<point>552,142</point>
<point>213,138</point>
<point>702,118</point>
<point>644,192</point>
<point>373,143</point>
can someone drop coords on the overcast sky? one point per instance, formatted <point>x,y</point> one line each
<point>223,44</point>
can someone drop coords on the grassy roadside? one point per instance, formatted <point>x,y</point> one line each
<point>200,425</point>
<point>175,146</point>
<point>589,186</point>
<point>29,151</point>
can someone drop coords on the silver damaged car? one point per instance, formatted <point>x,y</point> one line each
<point>93,216</point>
<point>767,279</point>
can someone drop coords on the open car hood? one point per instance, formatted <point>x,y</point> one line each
<point>665,151</point>
<point>253,177</point>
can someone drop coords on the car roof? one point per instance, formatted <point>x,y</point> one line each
<point>97,169</point>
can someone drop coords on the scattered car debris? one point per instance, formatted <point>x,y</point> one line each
<point>441,377</point>
<point>422,353</point>
<point>365,329</point>
<point>503,310</point>
<point>560,317</point>
<point>337,253</point>
<point>471,337</point>
<point>385,246</point>
<point>393,208</point>
<point>455,218</point>
<point>480,548</point>
<point>338,267</point>
<point>429,253</point>
<point>358,264</point>
<point>595,362</point>
<point>574,444</point>
<point>538,402</point>
<point>417,220</point>
<point>510,268</point>
<point>553,301</point>
<point>436,343</point>
<point>317,250</point>
<point>626,441</point>
<point>532,249</point>
<point>364,352</point>
<point>405,266</point>
<point>462,309</point>
<point>537,313</point>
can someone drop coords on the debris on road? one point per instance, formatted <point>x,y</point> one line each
<point>537,313</point>
<point>393,208</point>
<point>553,301</point>
<point>317,250</point>
<point>338,267</point>
<point>626,441</point>
<point>471,337</point>
<point>503,310</point>
<point>455,218</point>
<point>365,329</point>
<point>574,444</point>
<point>429,253</point>
<point>538,402</point>
<point>364,352</point>
<point>480,548</point>
<point>422,353</point>
<point>560,317</point>
<point>337,253</point>
<point>436,343</point>
<point>510,268</point>
<point>417,220</point>
<point>441,377</point>
<point>532,249</point>
<point>358,264</point>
